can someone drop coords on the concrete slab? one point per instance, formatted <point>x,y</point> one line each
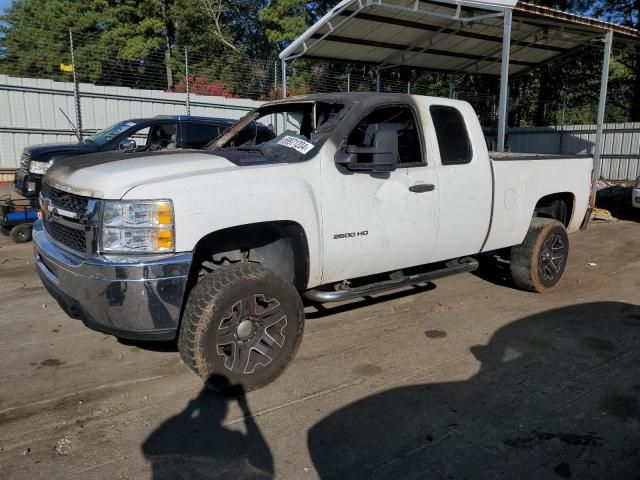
<point>470,379</point>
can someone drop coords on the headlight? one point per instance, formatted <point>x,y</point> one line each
<point>138,227</point>
<point>39,168</point>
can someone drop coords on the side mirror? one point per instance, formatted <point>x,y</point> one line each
<point>383,154</point>
<point>385,157</point>
<point>128,144</point>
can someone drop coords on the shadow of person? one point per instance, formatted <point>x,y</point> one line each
<point>195,445</point>
<point>557,396</point>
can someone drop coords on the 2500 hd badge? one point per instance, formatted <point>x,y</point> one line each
<point>339,236</point>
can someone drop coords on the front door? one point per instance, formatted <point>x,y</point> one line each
<point>379,222</point>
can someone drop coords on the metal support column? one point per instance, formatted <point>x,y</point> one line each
<point>187,80</point>
<point>604,83</point>
<point>76,89</point>
<point>378,81</point>
<point>275,77</point>
<point>284,79</point>
<point>503,108</point>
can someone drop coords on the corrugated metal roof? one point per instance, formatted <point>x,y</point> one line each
<point>454,35</point>
<point>529,10</point>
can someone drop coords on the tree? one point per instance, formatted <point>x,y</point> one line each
<point>625,12</point>
<point>31,45</point>
<point>285,20</point>
<point>133,41</point>
<point>626,63</point>
<point>118,42</point>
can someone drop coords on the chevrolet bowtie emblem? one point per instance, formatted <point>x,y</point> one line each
<point>49,210</point>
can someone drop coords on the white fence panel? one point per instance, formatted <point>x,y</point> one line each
<point>31,110</point>
<point>621,147</point>
<point>31,113</point>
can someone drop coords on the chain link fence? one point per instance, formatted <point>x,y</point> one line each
<point>79,58</point>
<point>178,81</point>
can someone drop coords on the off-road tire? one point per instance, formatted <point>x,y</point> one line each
<point>21,233</point>
<point>211,301</point>
<point>539,262</point>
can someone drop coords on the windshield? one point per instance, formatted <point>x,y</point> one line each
<point>296,129</point>
<point>108,134</point>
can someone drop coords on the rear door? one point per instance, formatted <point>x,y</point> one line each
<point>379,222</point>
<point>466,182</point>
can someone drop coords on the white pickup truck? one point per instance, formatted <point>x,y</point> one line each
<point>355,194</point>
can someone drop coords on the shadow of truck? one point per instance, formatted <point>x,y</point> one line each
<point>557,395</point>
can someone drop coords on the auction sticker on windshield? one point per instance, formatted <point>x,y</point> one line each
<point>296,143</point>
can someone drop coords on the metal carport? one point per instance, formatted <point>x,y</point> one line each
<point>492,37</point>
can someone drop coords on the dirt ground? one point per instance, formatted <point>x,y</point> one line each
<point>469,378</point>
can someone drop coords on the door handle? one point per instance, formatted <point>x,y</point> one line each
<point>422,188</point>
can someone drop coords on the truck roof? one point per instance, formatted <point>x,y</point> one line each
<point>185,118</point>
<point>351,98</point>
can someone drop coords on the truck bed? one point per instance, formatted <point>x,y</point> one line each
<point>513,156</point>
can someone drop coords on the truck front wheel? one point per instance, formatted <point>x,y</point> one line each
<point>242,325</point>
<point>539,262</point>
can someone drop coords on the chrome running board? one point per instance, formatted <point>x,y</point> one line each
<point>453,267</point>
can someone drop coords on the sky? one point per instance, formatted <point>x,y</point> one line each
<point>3,4</point>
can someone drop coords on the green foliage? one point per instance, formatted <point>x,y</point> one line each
<point>285,20</point>
<point>30,45</point>
<point>575,101</point>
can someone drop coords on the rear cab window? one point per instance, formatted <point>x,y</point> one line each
<point>452,134</point>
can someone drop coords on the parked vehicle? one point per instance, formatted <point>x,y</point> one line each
<point>357,194</point>
<point>132,136</point>
<point>17,216</point>
<point>635,194</point>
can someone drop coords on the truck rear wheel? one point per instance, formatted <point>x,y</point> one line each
<point>241,327</point>
<point>539,262</point>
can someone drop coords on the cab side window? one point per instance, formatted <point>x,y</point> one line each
<point>162,137</point>
<point>140,136</point>
<point>197,135</point>
<point>398,118</point>
<point>453,138</point>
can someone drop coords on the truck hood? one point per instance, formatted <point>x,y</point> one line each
<point>111,175</point>
<point>47,150</point>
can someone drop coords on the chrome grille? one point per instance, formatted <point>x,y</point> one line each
<point>64,200</point>
<point>67,236</point>
<point>24,161</point>
<point>68,219</point>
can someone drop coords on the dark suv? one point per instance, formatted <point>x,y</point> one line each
<point>142,134</point>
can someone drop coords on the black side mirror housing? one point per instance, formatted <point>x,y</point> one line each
<point>384,154</point>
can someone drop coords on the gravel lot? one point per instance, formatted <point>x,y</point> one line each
<point>466,379</point>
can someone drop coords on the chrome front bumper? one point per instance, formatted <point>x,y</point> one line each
<point>139,299</point>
